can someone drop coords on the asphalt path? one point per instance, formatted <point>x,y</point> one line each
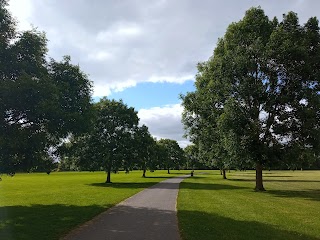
<point>148,215</point>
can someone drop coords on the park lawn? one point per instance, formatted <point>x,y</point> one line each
<point>41,206</point>
<point>212,208</point>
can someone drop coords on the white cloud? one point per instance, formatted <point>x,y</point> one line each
<point>164,122</point>
<point>22,10</point>
<point>99,56</point>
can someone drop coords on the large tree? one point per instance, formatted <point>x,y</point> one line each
<point>41,101</point>
<point>258,95</point>
<point>111,141</point>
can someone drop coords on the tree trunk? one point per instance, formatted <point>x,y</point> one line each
<point>108,176</point>
<point>259,181</point>
<point>220,171</point>
<point>224,174</point>
<point>144,173</point>
<point>168,170</point>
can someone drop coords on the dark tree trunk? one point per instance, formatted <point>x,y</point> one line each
<point>224,174</point>
<point>168,170</point>
<point>108,176</point>
<point>259,181</point>
<point>144,173</point>
<point>221,172</point>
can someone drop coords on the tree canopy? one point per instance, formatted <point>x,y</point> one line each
<point>110,143</point>
<point>257,98</point>
<point>171,155</point>
<point>42,101</point>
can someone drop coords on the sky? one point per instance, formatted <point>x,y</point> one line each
<point>143,51</point>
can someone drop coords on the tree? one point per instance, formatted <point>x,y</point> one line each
<point>41,101</point>
<point>259,92</point>
<point>112,137</point>
<point>172,156</point>
<point>145,149</point>
<point>191,154</point>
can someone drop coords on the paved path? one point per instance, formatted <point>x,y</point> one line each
<point>148,215</point>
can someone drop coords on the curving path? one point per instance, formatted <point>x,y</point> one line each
<point>149,215</point>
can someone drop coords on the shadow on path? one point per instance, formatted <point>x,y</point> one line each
<point>128,223</point>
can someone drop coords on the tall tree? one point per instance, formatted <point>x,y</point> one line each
<point>260,91</point>
<point>41,101</point>
<point>145,150</point>
<point>112,137</point>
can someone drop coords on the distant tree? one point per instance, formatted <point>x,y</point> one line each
<point>171,155</point>
<point>145,150</point>
<point>192,156</point>
<point>112,136</point>
<point>259,92</point>
<point>41,101</point>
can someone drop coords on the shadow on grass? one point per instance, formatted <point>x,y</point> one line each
<point>123,185</point>
<point>271,180</point>
<point>268,176</point>
<point>312,194</point>
<point>54,221</point>
<point>168,185</point>
<point>205,186</point>
<point>156,177</point>
<point>43,221</point>
<point>196,225</point>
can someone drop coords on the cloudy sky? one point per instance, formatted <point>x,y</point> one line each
<point>143,51</point>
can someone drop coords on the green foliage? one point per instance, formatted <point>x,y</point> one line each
<point>212,208</point>
<point>41,101</point>
<point>257,98</point>
<point>171,155</point>
<point>146,154</point>
<point>110,143</point>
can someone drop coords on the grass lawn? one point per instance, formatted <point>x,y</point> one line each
<point>41,206</point>
<point>212,208</point>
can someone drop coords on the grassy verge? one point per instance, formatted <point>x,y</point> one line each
<point>41,206</point>
<point>212,208</point>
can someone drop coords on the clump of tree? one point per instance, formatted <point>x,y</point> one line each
<point>146,151</point>
<point>171,154</point>
<point>42,101</point>
<point>257,99</point>
<point>110,142</point>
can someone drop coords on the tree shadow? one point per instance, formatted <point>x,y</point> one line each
<point>155,177</point>
<point>272,180</point>
<point>126,222</point>
<point>168,185</point>
<point>43,221</point>
<point>123,185</point>
<point>278,176</point>
<point>205,186</point>
<point>200,225</point>
<point>310,194</point>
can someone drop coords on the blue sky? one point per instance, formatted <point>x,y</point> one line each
<point>149,95</point>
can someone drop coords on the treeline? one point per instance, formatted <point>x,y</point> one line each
<point>115,141</point>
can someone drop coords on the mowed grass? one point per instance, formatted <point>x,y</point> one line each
<point>212,208</point>
<point>41,206</point>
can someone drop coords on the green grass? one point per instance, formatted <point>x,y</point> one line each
<point>41,206</point>
<point>212,208</point>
